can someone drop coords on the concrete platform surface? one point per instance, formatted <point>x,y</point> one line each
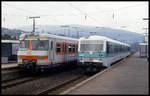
<point>128,77</point>
<point>10,65</point>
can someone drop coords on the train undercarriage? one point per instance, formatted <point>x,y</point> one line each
<point>91,67</point>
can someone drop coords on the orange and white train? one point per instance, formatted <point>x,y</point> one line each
<point>42,51</point>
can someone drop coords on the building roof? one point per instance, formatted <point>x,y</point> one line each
<point>10,41</point>
<point>143,43</point>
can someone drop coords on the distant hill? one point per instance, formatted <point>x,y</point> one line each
<point>12,32</point>
<point>85,31</point>
<point>131,38</point>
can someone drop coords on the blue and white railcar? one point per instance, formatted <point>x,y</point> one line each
<point>97,51</point>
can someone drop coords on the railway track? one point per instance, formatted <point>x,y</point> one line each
<point>65,84</point>
<point>26,77</point>
<point>58,83</point>
<point>15,82</point>
<point>11,74</point>
<point>29,78</point>
<point>53,81</point>
<point>8,70</point>
<point>14,77</point>
<point>99,73</point>
<point>59,88</point>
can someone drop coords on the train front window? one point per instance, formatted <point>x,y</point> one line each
<point>91,47</point>
<point>24,45</point>
<point>39,45</point>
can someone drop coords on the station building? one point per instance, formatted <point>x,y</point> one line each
<point>144,52</point>
<point>9,50</point>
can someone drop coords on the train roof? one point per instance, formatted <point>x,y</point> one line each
<point>96,37</point>
<point>49,36</point>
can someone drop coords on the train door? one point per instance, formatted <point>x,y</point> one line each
<point>51,51</point>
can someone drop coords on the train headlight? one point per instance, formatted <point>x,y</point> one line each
<point>82,61</point>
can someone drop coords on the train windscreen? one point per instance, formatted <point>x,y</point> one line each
<point>91,47</point>
<point>24,45</point>
<point>39,45</point>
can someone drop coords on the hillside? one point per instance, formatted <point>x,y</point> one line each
<point>85,31</point>
<point>12,32</point>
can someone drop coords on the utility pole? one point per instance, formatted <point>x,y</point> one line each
<point>77,31</point>
<point>34,22</point>
<point>146,32</point>
<point>146,38</point>
<point>66,26</point>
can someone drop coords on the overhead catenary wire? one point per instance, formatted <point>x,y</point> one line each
<point>86,15</point>
<point>81,11</point>
<point>20,8</point>
<point>113,16</point>
<point>27,11</point>
<point>115,10</point>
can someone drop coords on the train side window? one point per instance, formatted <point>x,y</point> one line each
<point>110,48</point>
<point>73,48</point>
<point>58,48</point>
<point>70,48</point>
<point>128,48</point>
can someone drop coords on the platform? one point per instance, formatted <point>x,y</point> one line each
<point>128,77</point>
<point>10,65</point>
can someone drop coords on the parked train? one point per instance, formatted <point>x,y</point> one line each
<point>43,51</point>
<point>97,51</point>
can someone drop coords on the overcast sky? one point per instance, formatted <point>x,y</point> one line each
<point>100,14</point>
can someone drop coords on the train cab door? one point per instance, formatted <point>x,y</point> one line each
<point>51,51</point>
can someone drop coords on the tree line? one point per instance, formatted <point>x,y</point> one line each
<point>9,37</point>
